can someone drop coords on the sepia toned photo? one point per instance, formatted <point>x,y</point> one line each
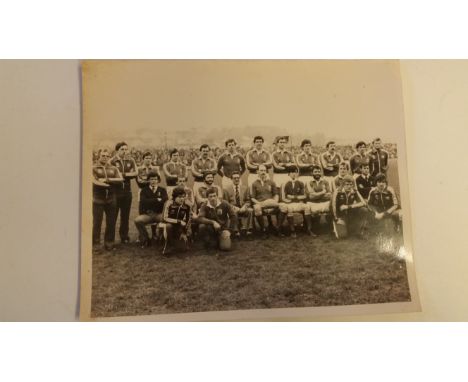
<point>244,189</point>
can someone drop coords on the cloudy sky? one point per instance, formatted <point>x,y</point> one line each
<point>346,100</point>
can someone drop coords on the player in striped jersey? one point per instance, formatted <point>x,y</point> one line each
<point>229,162</point>
<point>255,157</point>
<point>282,159</point>
<point>202,165</point>
<point>306,161</point>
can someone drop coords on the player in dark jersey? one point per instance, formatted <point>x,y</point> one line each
<point>201,196</point>
<point>145,168</point>
<point>173,169</point>
<point>364,182</point>
<point>264,196</point>
<point>177,218</point>
<point>330,161</point>
<point>255,157</point>
<point>128,169</point>
<point>378,158</point>
<point>106,180</point>
<point>319,193</point>
<point>348,210</point>
<point>383,201</point>
<point>293,198</point>
<point>282,159</point>
<point>213,218</point>
<point>338,180</point>
<point>152,200</point>
<point>306,160</point>
<point>359,158</point>
<point>229,162</point>
<point>202,165</point>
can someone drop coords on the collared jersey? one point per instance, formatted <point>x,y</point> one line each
<point>382,200</point>
<point>318,186</point>
<point>152,200</point>
<point>356,161</point>
<point>105,194</point>
<point>142,177</point>
<point>378,161</point>
<point>364,185</point>
<point>230,163</point>
<point>295,188</point>
<point>221,213</point>
<point>173,211</point>
<point>203,166</point>
<point>125,166</point>
<point>176,170</point>
<point>285,158</point>
<point>330,160</point>
<point>342,198</point>
<point>263,190</point>
<point>306,158</point>
<point>256,158</point>
<point>203,188</point>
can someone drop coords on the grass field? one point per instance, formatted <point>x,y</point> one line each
<point>273,273</point>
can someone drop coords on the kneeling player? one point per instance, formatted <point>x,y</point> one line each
<point>177,217</point>
<point>383,202</point>
<point>213,219</point>
<point>293,200</point>
<point>348,210</point>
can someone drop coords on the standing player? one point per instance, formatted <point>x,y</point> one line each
<point>229,162</point>
<point>202,165</point>
<point>319,193</point>
<point>359,158</point>
<point>378,158</point>
<point>364,181</point>
<point>106,180</point>
<point>152,199</point>
<point>255,157</point>
<point>213,219</point>
<point>238,195</point>
<point>264,196</point>
<point>282,159</point>
<point>145,168</point>
<point>383,201</point>
<point>293,199</point>
<point>177,218</point>
<point>128,169</point>
<point>201,196</point>
<point>348,210</point>
<point>330,161</point>
<point>306,161</point>
<point>173,169</point>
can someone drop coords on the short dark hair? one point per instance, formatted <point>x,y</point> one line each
<point>380,178</point>
<point>172,152</point>
<point>211,190</point>
<point>315,167</point>
<point>306,142</point>
<point>154,174</point>
<point>204,145</point>
<point>360,143</point>
<point>329,143</point>
<point>147,153</point>
<point>229,141</point>
<point>119,145</point>
<point>178,191</point>
<point>257,137</point>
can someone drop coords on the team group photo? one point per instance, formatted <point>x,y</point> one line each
<point>239,186</point>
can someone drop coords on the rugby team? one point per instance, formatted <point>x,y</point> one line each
<point>351,195</point>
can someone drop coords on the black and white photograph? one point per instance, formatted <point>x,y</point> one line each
<point>245,187</point>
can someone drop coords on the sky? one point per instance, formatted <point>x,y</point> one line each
<point>142,100</point>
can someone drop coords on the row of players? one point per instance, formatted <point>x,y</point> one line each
<point>237,204</point>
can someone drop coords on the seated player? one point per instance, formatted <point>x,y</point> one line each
<point>348,210</point>
<point>264,196</point>
<point>238,195</point>
<point>200,196</point>
<point>293,199</point>
<point>364,181</point>
<point>177,218</point>
<point>343,171</point>
<point>213,219</point>
<point>318,193</point>
<point>383,202</point>
<point>152,200</point>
